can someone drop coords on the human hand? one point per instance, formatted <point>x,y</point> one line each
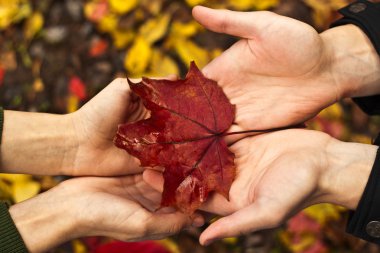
<point>279,174</point>
<point>121,208</point>
<point>282,72</point>
<point>95,126</point>
<point>76,144</point>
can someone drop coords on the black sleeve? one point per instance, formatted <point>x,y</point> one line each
<point>365,221</point>
<point>365,15</point>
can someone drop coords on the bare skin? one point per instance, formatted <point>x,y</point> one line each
<point>282,72</point>
<point>281,173</point>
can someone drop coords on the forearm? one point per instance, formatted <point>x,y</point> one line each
<point>348,168</point>
<point>44,221</point>
<point>354,62</point>
<point>37,143</point>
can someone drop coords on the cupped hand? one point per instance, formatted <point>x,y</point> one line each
<point>279,174</point>
<point>96,124</point>
<point>121,208</point>
<point>277,74</point>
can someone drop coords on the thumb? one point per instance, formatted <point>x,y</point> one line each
<point>242,24</point>
<point>162,225</point>
<point>248,219</point>
<point>154,178</point>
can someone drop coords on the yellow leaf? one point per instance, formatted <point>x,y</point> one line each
<point>7,11</point>
<point>194,2</point>
<point>216,52</point>
<point>323,213</point>
<point>244,5</point>
<point>298,245</point>
<point>122,6</point>
<point>24,190</point>
<point>121,39</point>
<point>180,29</point>
<point>189,51</point>
<point>24,10</point>
<point>161,65</point>
<point>72,103</point>
<point>108,23</point>
<point>230,240</point>
<point>322,10</point>
<point>332,112</point>
<point>170,245</point>
<point>33,25</point>
<point>13,11</point>
<point>153,6</point>
<point>265,5</point>
<point>139,15</point>
<point>138,56</point>
<point>361,138</point>
<point>14,178</point>
<point>78,246</point>
<point>5,190</point>
<point>38,85</point>
<point>154,29</point>
<point>241,5</point>
<point>337,4</point>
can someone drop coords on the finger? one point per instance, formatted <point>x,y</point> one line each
<point>198,220</point>
<point>249,219</point>
<point>242,24</point>
<point>163,225</point>
<point>214,203</point>
<point>218,204</point>
<point>172,77</point>
<point>155,179</point>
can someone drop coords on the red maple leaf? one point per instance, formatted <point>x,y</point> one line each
<point>184,135</point>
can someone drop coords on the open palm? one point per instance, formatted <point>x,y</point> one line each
<point>276,74</point>
<point>278,174</point>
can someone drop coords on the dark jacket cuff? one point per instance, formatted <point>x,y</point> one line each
<point>365,15</point>
<point>365,221</point>
<point>10,238</point>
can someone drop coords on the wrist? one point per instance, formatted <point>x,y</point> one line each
<point>354,65</point>
<point>44,221</point>
<point>45,142</point>
<point>346,174</point>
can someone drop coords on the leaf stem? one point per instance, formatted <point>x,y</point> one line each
<point>264,130</point>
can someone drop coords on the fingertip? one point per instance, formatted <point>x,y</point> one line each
<point>205,239</point>
<point>199,13</point>
<point>196,9</point>
<point>172,77</point>
<point>198,220</point>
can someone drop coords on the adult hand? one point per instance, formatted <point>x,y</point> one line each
<point>95,126</point>
<point>122,208</point>
<point>282,72</point>
<point>279,174</point>
<point>76,144</point>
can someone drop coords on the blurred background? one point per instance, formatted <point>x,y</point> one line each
<point>56,55</point>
